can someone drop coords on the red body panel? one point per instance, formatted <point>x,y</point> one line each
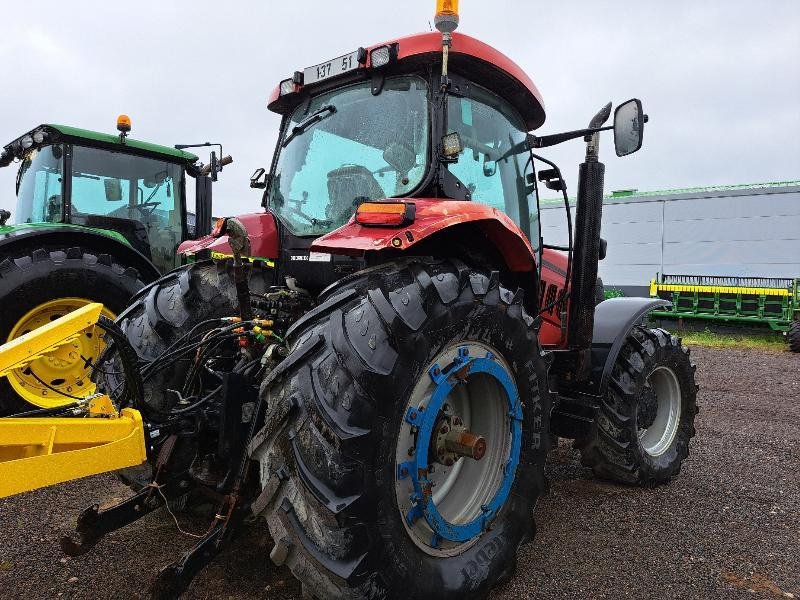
<point>554,272</point>
<point>263,233</point>
<point>431,43</point>
<point>434,215</point>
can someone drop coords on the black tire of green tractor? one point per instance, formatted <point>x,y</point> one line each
<point>33,277</point>
<point>167,309</point>
<point>793,336</point>
<point>613,449</point>
<point>329,465</point>
<point>599,292</point>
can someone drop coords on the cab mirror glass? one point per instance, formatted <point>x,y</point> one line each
<point>113,189</point>
<point>257,179</point>
<point>629,123</point>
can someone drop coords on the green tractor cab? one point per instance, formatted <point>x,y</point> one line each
<point>98,216</point>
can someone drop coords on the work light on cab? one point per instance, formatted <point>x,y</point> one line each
<point>385,214</point>
<point>380,56</point>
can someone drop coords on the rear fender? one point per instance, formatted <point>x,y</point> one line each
<point>66,236</point>
<point>432,218</point>
<point>613,321</point>
<point>261,228</point>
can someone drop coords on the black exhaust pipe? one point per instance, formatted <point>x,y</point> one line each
<point>586,254</point>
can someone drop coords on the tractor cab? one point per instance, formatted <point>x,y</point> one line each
<point>131,190</point>
<point>381,124</point>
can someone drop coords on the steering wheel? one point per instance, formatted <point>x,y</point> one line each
<point>151,205</point>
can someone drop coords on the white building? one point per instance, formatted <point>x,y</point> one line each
<point>740,230</point>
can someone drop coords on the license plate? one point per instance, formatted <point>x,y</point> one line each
<point>332,68</point>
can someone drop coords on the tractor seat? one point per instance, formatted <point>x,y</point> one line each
<point>349,186</point>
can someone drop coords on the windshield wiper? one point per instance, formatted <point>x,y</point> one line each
<point>308,122</point>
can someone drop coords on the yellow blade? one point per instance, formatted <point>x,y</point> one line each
<point>37,452</point>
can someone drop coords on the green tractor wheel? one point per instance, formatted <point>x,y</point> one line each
<point>38,287</point>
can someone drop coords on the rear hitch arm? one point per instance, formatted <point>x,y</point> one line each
<point>93,523</point>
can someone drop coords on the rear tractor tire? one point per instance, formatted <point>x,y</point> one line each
<point>793,336</point>
<point>410,452</point>
<point>642,429</point>
<point>36,288</point>
<point>165,311</point>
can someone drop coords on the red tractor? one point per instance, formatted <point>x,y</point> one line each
<point>381,369</point>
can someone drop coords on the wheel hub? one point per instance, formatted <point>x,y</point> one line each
<point>647,409</point>
<point>659,411</point>
<point>452,439</point>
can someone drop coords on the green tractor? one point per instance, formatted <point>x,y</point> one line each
<point>98,216</point>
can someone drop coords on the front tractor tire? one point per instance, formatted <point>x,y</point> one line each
<point>37,287</point>
<point>793,336</point>
<point>411,450</point>
<point>641,432</point>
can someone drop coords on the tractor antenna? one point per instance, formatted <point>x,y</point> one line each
<point>446,21</point>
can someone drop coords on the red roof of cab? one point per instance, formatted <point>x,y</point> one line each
<point>431,43</point>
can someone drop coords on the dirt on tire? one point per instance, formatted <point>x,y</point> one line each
<point>726,527</point>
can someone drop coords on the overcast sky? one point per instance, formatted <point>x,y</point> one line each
<point>720,80</point>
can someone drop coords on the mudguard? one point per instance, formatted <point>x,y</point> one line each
<point>261,228</point>
<point>68,236</point>
<point>431,217</point>
<point>613,320</point>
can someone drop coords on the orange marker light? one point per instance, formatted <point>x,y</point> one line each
<point>123,123</point>
<point>446,7</point>
<point>446,18</point>
<point>385,214</point>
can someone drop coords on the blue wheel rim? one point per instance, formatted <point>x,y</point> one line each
<point>416,469</point>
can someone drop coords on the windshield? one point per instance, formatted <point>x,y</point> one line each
<point>488,127</point>
<point>348,146</point>
<point>39,186</point>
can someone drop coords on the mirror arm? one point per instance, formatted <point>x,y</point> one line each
<point>551,140</point>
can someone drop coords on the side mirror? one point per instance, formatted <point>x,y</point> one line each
<point>629,123</point>
<point>258,179</point>
<point>113,189</point>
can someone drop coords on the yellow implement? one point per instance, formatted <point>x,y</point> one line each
<point>656,287</point>
<point>39,451</point>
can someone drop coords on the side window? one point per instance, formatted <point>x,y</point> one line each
<point>488,128</point>
<point>39,193</point>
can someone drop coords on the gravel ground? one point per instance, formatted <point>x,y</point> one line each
<point>727,527</point>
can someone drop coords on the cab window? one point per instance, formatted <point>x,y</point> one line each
<point>488,127</point>
<point>138,196</point>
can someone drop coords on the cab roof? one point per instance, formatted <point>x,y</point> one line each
<point>76,134</point>
<point>469,57</point>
